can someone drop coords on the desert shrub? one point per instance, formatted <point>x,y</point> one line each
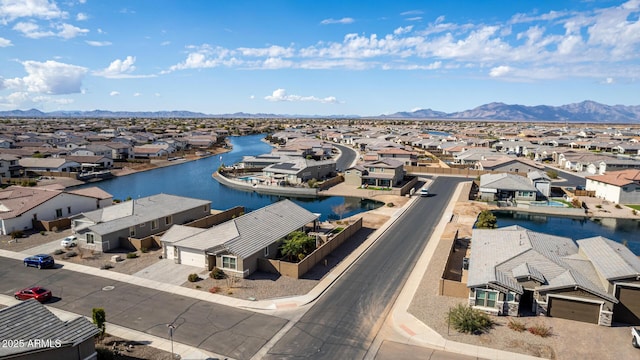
<point>214,289</point>
<point>540,330</point>
<point>71,254</point>
<point>17,234</point>
<point>552,174</point>
<point>466,319</point>
<point>517,325</point>
<point>132,255</point>
<point>390,204</point>
<point>144,250</point>
<point>100,319</point>
<point>193,277</point>
<point>618,206</point>
<point>43,233</point>
<point>598,206</point>
<point>634,212</point>
<point>217,273</point>
<point>576,203</point>
<point>106,266</point>
<point>198,286</point>
<point>104,353</point>
<point>58,252</point>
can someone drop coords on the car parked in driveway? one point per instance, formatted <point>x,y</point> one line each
<point>69,241</point>
<point>40,261</point>
<point>39,293</point>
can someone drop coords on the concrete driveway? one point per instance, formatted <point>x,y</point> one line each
<point>168,272</point>
<point>46,248</point>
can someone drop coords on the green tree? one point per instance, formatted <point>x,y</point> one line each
<point>552,174</point>
<point>100,319</point>
<point>296,244</point>
<point>486,220</point>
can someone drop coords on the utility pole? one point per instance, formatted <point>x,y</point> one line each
<point>171,328</point>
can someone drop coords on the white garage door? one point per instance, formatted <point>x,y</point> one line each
<point>169,251</point>
<point>191,257</point>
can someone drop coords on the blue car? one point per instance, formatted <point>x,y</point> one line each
<point>40,261</point>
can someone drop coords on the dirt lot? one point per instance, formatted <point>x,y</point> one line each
<point>30,239</point>
<point>125,266</point>
<point>128,350</point>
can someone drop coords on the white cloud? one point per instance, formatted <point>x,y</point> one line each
<point>5,42</point>
<point>277,63</point>
<point>344,20</point>
<point>415,18</point>
<point>114,93</point>
<point>412,12</point>
<point>82,17</point>
<point>499,71</point>
<point>609,81</point>
<point>33,30</point>
<point>120,69</point>
<point>68,31</point>
<point>403,30</point>
<point>165,43</point>
<point>50,77</point>
<point>41,9</point>
<point>281,95</point>
<point>252,97</point>
<point>98,43</point>
<point>157,95</point>
<point>205,56</point>
<point>272,51</point>
<point>137,94</point>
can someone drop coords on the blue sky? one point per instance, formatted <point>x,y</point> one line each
<point>315,57</point>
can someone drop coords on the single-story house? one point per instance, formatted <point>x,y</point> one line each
<point>506,163</point>
<point>103,229</point>
<point>48,164</point>
<point>236,245</point>
<point>300,170</point>
<point>39,334</point>
<point>21,207</point>
<point>380,173</point>
<point>504,186</point>
<point>620,187</point>
<point>515,271</point>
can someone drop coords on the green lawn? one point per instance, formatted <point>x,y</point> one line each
<point>634,207</point>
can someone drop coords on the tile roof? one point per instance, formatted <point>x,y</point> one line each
<point>618,178</point>
<point>611,259</point>
<point>505,181</point>
<point>32,320</point>
<point>16,200</point>
<point>94,192</point>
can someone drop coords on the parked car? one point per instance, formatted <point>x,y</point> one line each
<point>69,241</point>
<point>39,293</point>
<point>424,192</point>
<point>635,337</point>
<point>40,261</point>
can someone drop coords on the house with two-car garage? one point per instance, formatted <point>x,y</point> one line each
<point>107,228</point>
<point>236,245</point>
<point>515,271</point>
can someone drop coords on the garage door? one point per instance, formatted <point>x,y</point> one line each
<point>193,258</point>
<point>628,310</point>
<point>574,310</point>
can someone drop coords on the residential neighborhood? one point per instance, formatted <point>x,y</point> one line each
<point>52,189</point>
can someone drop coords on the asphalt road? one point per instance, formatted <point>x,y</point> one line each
<point>571,180</point>
<point>345,320</point>
<point>346,159</point>
<point>216,328</point>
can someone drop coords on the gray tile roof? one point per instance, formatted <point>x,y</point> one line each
<point>505,181</point>
<point>138,211</point>
<point>260,228</point>
<point>611,259</point>
<point>32,320</point>
<point>247,234</point>
<point>501,256</point>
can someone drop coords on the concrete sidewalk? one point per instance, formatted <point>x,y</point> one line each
<point>186,352</point>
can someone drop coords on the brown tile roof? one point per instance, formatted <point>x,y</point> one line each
<point>94,192</point>
<point>16,200</point>
<point>618,178</point>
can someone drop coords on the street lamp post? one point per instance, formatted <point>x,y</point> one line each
<point>171,328</point>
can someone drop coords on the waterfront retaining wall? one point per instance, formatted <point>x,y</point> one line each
<point>265,189</point>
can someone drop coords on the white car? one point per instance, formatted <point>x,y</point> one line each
<point>69,241</point>
<point>424,192</point>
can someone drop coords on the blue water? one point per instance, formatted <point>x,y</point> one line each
<point>193,179</point>
<point>620,230</point>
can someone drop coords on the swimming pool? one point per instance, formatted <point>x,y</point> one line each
<point>547,203</point>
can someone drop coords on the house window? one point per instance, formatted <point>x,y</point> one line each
<point>266,251</point>
<point>58,213</point>
<point>90,239</point>
<point>205,208</point>
<point>229,262</point>
<point>167,220</point>
<point>132,231</point>
<point>486,298</point>
<point>511,296</point>
<point>154,224</point>
<point>68,210</point>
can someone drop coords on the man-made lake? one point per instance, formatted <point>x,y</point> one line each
<point>193,179</point>
<point>621,230</point>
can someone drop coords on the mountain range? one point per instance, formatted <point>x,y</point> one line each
<point>586,111</point>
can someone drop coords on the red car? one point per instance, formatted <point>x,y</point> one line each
<point>36,292</point>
